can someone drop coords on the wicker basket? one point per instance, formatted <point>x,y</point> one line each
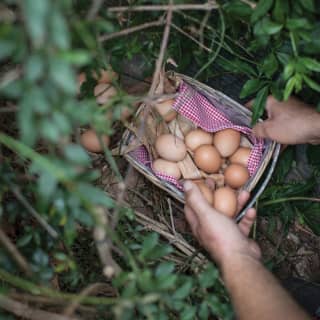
<point>238,115</point>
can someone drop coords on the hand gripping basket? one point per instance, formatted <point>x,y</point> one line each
<point>212,110</point>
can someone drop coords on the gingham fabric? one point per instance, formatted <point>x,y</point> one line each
<point>195,107</point>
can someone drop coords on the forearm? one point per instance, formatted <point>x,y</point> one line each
<point>256,294</point>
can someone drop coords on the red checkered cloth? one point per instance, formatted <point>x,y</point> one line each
<point>195,107</point>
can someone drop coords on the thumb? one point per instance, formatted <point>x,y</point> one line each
<point>261,129</point>
<point>196,200</point>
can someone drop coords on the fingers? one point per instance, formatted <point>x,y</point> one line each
<point>260,129</point>
<point>243,197</point>
<point>196,201</point>
<point>249,104</point>
<point>191,218</point>
<point>247,221</point>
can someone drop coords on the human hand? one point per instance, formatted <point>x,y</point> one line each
<point>221,236</point>
<point>290,122</point>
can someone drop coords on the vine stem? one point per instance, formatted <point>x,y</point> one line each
<point>206,6</point>
<point>44,291</point>
<point>213,58</point>
<point>22,310</point>
<point>281,200</point>
<point>127,31</point>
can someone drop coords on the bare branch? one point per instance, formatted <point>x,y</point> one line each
<point>103,244</point>
<point>11,108</point>
<point>21,310</point>
<point>206,6</point>
<point>164,43</point>
<point>191,37</point>
<point>127,31</point>
<point>16,255</point>
<point>91,289</point>
<point>15,190</point>
<point>94,9</point>
<point>203,25</point>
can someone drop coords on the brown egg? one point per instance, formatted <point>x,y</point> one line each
<point>241,156</point>
<point>236,175</point>
<point>105,76</point>
<point>206,191</point>
<point>165,110</point>
<point>225,201</point>
<point>81,78</point>
<point>197,138</point>
<point>104,92</point>
<point>90,141</point>
<point>207,158</point>
<point>170,147</point>
<point>167,167</point>
<point>226,141</point>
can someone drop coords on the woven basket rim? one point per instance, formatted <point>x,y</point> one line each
<point>267,164</point>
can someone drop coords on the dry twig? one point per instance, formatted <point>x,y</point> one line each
<point>91,289</point>
<point>94,9</point>
<point>15,253</point>
<point>103,244</point>
<point>22,310</point>
<point>206,6</point>
<point>164,43</point>
<point>191,37</point>
<point>15,190</point>
<point>127,31</point>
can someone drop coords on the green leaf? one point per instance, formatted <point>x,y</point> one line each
<point>238,9</point>
<point>289,88</point>
<point>149,243</point>
<point>283,58</point>
<point>289,70</point>
<point>76,57</point>
<point>93,195</point>
<point>34,67</point>
<point>167,282</point>
<point>164,269</point>
<point>6,48</point>
<point>308,5</point>
<point>47,184</point>
<point>188,313</point>
<point>267,27</point>
<point>261,9</point>
<point>28,134</point>
<point>184,290</point>
<point>49,130</point>
<point>250,87</point>
<point>311,64</point>
<point>298,23</point>
<point>281,10</point>
<point>35,15</point>
<point>311,83</point>
<point>62,75</point>
<point>270,65</point>
<point>259,104</point>
<point>203,311</point>
<point>58,29</point>
<point>76,154</point>
<point>208,277</point>
<point>24,240</point>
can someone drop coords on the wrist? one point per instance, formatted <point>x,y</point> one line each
<point>315,127</point>
<point>234,266</point>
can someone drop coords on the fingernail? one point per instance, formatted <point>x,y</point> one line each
<point>187,185</point>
